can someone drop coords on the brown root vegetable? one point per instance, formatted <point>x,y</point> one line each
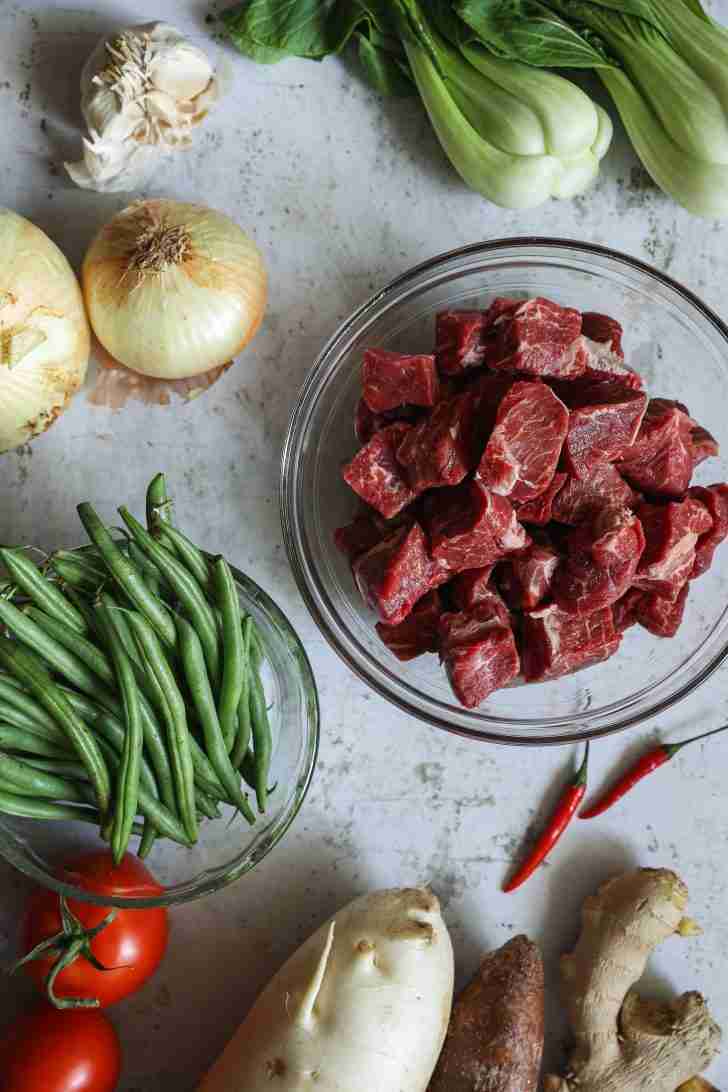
<point>624,1043</point>
<point>495,1039</point>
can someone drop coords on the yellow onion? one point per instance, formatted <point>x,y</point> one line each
<point>173,289</point>
<point>44,334</point>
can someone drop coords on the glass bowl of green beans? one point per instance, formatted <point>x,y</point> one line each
<point>85,672</point>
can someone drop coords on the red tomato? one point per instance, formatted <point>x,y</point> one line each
<point>133,944</point>
<point>51,1051</point>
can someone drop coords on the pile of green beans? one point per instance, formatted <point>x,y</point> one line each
<point>130,684</point>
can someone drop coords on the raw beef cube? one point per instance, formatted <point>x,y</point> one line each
<point>661,616</point>
<point>660,461</point>
<point>367,423</point>
<point>540,509</point>
<point>580,500</point>
<point>602,328</point>
<point>393,379</point>
<point>375,474</point>
<point>526,578</point>
<point>715,499</point>
<point>395,574</point>
<point>624,610</point>
<point>489,390</point>
<point>604,419</point>
<point>470,527</point>
<point>555,643</point>
<point>602,562</point>
<point>419,633</point>
<point>359,536</point>
<point>704,446</point>
<point>535,340</point>
<point>440,450</point>
<point>459,341</point>
<point>474,586</point>
<point>523,451</point>
<point>672,531</point>
<point>479,653</point>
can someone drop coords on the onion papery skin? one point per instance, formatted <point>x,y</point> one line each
<point>187,316</point>
<point>39,298</point>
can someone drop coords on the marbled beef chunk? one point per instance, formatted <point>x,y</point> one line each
<point>535,340</point>
<point>554,643</point>
<point>418,633</point>
<point>390,380</point>
<point>395,574</point>
<point>602,561</point>
<point>479,653</point>
<point>715,500</point>
<point>672,532</point>
<point>376,476</point>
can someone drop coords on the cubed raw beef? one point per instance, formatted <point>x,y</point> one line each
<point>375,474</point>
<point>489,389</point>
<point>523,451</point>
<point>554,643</point>
<point>662,617</point>
<point>602,562</point>
<point>419,633</point>
<point>535,340</point>
<point>580,500</point>
<point>703,445</point>
<point>390,380</point>
<point>525,579</point>
<point>367,423</point>
<point>459,340</point>
<point>539,511</point>
<point>359,536</point>
<point>395,574</point>
<point>474,586</point>
<point>660,461</point>
<point>624,611</point>
<point>604,419</point>
<point>671,531</point>
<point>470,527</point>
<point>587,359</point>
<point>715,499</point>
<point>440,450</point>
<point>603,329</point>
<point>479,653</point>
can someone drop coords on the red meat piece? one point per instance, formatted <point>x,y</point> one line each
<point>624,610</point>
<point>604,419</point>
<point>526,578</point>
<point>603,329</point>
<point>459,340</point>
<point>672,531</point>
<point>395,574</point>
<point>393,379</point>
<point>540,509</point>
<point>419,633</point>
<point>660,461</point>
<point>359,536</point>
<point>479,653</point>
<point>375,474</point>
<point>602,562</point>
<point>555,643</point>
<point>489,390</point>
<point>704,446</point>
<point>591,360</point>
<point>440,450</point>
<point>523,451</point>
<point>535,339</point>
<point>661,616</point>
<point>367,423</point>
<point>582,499</point>
<point>474,586</point>
<point>715,499</point>
<point>470,527</point>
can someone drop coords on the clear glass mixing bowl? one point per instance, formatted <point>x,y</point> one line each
<point>227,847</point>
<point>674,340</point>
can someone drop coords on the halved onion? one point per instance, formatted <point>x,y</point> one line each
<point>173,289</point>
<point>44,334</point>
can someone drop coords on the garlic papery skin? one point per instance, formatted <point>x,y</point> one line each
<point>143,91</point>
<point>173,289</point>
<point>44,334</point>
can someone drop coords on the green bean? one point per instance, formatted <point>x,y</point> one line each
<point>129,773</point>
<point>151,574</point>
<point>206,806</point>
<point>234,666</point>
<point>86,651</point>
<point>159,506</point>
<point>127,576</point>
<point>178,736</point>
<point>62,767</point>
<point>149,806</point>
<point>22,739</point>
<point>16,719</point>
<point>49,695</point>
<point>82,605</point>
<point>149,837</point>
<point>78,574</point>
<point>11,696</point>
<point>245,728</point>
<point>30,781</point>
<point>117,619</point>
<point>42,592</point>
<point>193,662</point>
<point>27,807</point>
<point>185,588</point>
<point>190,555</point>
<point>262,738</point>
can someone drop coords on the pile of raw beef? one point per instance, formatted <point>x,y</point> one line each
<point>525,501</point>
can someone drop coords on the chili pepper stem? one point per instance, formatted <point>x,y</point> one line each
<point>673,748</point>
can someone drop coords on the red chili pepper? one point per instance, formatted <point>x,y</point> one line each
<point>645,765</point>
<point>562,816</point>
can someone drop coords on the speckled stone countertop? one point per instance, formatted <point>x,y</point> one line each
<point>342,191</point>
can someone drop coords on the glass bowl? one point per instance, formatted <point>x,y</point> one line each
<point>227,847</point>
<point>673,339</point>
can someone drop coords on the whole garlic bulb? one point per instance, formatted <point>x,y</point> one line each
<point>143,90</point>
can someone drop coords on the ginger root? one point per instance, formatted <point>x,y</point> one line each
<point>624,1043</point>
